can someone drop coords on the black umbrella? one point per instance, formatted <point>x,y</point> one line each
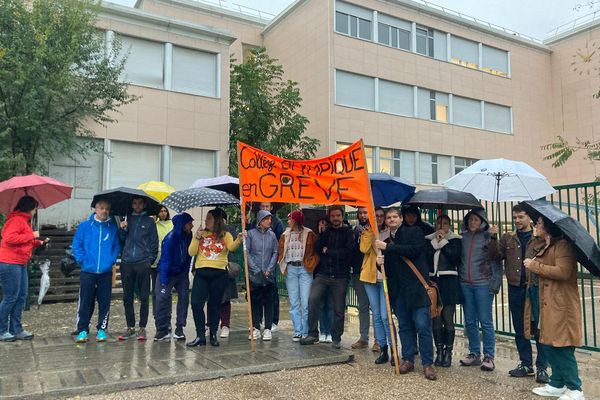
<point>442,198</point>
<point>120,200</point>
<point>588,253</point>
<point>182,200</point>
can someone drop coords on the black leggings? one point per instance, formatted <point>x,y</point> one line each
<point>209,284</point>
<point>446,320</point>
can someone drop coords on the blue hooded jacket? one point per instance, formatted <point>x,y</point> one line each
<point>140,239</point>
<point>174,258</point>
<point>96,245</point>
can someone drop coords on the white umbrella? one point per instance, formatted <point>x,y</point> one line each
<point>501,180</point>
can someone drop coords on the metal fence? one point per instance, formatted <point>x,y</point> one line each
<point>581,201</point>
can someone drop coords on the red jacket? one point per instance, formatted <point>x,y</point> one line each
<point>17,242</point>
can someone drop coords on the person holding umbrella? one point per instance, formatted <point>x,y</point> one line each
<point>96,248</point>
<point>514,248</point>
<point>211,246</point>
<point>444,255</point>
<point>560,310</point>
<point>16,248</point>
<point>140,249</point>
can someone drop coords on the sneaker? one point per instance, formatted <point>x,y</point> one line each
<point>7,337</point>
<point>224,332</point>
<point>24,335</point>
<point>336,344</point>
<point>274,328</point>
<point>328,339</point>
<point>296,337</point>
<point>179,335</point>
<point>141,334</point>
<point>162,336</point>
<point>82,337</point>
<point>255,333</point>
<point>471,360</point>
<point>322,337</point>
<point>549,391</point>
<point>130,332</point>
<point>521,371</point>
<point>267,335</point>
<point>101,336</point>
<point>309,340</point>
<point>488,363</point>
<point>572,395</point>
<point>541,376</point>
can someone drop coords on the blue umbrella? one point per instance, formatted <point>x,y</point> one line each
<point>388,190</point>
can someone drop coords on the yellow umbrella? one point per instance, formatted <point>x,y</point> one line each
<point>159,190</point>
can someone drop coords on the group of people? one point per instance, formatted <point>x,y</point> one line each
<point>466,266</point>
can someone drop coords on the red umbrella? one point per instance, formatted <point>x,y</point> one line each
<point>46,191</point>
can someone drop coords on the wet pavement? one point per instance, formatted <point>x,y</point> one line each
<point>53,366</point>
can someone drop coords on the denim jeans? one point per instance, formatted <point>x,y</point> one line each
<point>14,282</point>
<point>363,307</point>
<point>164,301</point>
<point>325,315</point>
<point>413,322</point>
<point>298,283</point>
<point>478,311</point>
<point>381,324</point>
<point>516,305</point>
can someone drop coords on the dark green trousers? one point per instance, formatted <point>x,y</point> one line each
<point>564,367</point>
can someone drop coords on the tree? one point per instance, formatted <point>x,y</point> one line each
<point>263,110</point>
<point>56,80</point>
<point>562,150</point>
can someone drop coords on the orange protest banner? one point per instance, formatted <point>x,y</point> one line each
<point>341,178</point>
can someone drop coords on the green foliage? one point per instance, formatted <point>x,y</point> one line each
<point>561,150</point>
<point>263,111</point>
<point>56,81</point>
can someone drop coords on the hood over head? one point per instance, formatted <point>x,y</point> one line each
<point>180,220</point>
<point>485,225</point>
<point>262,214</point>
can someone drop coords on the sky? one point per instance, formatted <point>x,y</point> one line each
<point>534,18</point>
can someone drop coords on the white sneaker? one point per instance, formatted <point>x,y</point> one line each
<point>274,328</point>
<point>328,339</point>
<point>549,391</point>
<point>322,338</point>
<point>267,335</point>
<point>256,334</point>
<point>224,332</point>
<point>572,395</point>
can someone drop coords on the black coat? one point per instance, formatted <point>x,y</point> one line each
<point>409,242</point>
<point>340,245</point>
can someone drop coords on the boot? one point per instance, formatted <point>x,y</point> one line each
<point>447,360</point>
<point>213,340</point>
<point>383,356</point>
<point>439,346</point>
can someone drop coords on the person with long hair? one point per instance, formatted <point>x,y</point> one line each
<point>444,259</point>
<point>211,246</point>
<point>560,311</point>
<point>16,248</point>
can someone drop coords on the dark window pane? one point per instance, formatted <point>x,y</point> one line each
<point>341,22</point>
<point>430,50</point>
<point>353,26</point>
<point>384,33</point>
<point>421,43</point>
<point>396,168</point>
<point>364,29</point>
<point>394,37</point>
<point>404,39</point>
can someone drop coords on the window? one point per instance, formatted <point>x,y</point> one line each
<point>194,72</point>
<point>465,52</point>
<point>461,163</point>
<point>354,90</point>
<point>133,163</point>
<point>433,105</point>
<point>434,168</point>
<point>495,61</point>
<point>187,165</point>
<point>397,163</point>
<point>497,118</point>
<point>466,112</point>
<point>394,32</point>
<point>440,47</point>
<point>368,154</point>
<point>425,41</point>
<point>144,64</point>
<point>407,165</point>
<point>395,98</point>
<point>425,168</point>
<point>352,20</point>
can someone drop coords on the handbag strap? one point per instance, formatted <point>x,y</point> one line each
<point>416,271</point>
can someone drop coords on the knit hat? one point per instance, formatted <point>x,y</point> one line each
<point>297,216</point>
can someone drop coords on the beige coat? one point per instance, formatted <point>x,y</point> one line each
<point>560,305</point>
